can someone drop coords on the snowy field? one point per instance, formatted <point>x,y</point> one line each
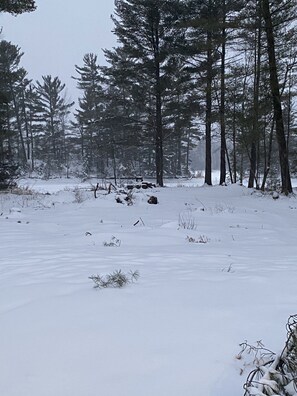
<point>217,265</point>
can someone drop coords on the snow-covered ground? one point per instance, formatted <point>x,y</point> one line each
<point>174,332</point>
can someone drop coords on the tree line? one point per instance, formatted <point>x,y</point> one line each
<point>182,71</point>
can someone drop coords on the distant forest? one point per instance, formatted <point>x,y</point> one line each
<point>183,71</point>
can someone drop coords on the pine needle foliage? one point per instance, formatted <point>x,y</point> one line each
<point>17,6</point>
<point>116,279</point>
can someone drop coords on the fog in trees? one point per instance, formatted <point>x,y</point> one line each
<point>216,74</point>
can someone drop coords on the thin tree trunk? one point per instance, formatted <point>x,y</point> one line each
<point>223,150</point>
<point>114,164</point>
<point>19,124</point>
<point>158,108</point>
<point>289,111</point>
<point>229,166</point>
<point>159,131</point>
<point>208,116</point>
<point>255,128</point>
<point>178,170</point>
<point>253,161</point>
<point>234,143</point>
<point>188,154</point>
<point>268,162</point>
<point>29,154</point>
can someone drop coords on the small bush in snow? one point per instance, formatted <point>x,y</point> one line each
<point>116,279</point>
<point>275,195</point>
<point>23,190</point>
<point>187,221</point>
<point>221,208</point>
<point>79,195</point>
<point>274,374</point>
<point>114,242</point>
<point>200,239</point>
<point>273,183</point>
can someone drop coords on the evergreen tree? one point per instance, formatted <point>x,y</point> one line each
<point>89,113</point>
<point>268,36</point>
<point>203,42</point>
<point>13,82</point>
<point>13,7</point>
<point>210,25</point>
<point>128,117</point>
<point>17,6</point>
<point>276,13</point>
<point>147,31</point>
<point>10,74</point>
<point>54,109</point>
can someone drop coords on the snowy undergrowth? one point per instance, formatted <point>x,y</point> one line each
<point>177,330</point>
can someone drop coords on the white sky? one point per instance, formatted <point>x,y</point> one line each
<point>58,34</point>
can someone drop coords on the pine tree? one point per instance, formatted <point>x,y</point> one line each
<point>54,109</point>
<point>13,82</point>
<point>89,113</point>
<point>271,12</point>
<point>203,42</point>
<point>265,62</point>
<point>128,115</point>
<point>210,29</point>
<point>17,6</point>
<point>10,75</point>
<point>148,34</point>
<point>13,7</point>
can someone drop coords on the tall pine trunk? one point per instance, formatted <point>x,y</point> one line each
<point>159,133</point>
<point>208,116</point>
<point>253,165</point>
<point>158,109</point>
<point>23,153</point>
<point>223,150</point>
<point>234,137</point>
<point>255,125</point>
<point>276,98</point>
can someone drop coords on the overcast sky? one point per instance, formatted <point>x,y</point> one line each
<point>58,34</point>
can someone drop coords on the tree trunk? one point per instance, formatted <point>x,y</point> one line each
<point>268,160</point>
<point>223,150</point>
<point>234,143</point>
<point>178,168</point>
<point>188,153</point>
<point>19,124</point>
<point>255,127</point>
<point>229,166</point>
<point>208,117</point>
<point>26,123</point>
<point>278,113</point>
<point>253,161</point>
<point>159,136</point>
<point>158,108</point>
